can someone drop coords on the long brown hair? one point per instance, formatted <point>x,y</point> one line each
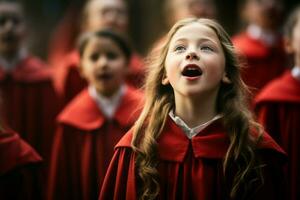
<point>231,103</point>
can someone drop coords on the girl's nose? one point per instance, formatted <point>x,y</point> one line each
<point>102,62</point>
<point>192,56</point>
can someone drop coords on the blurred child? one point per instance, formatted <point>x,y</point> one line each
<point>94,121</point>
<point>19,168</point>
<point>97,14</point>
<point>278,106</point>
<point>29,102</point>
<point>195,138</point>
<point>261,43</point>
<point>180,9</point>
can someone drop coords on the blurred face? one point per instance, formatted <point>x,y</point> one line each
<point>195,62</point>
<point>104,65</point>
<point>265,13</point>
<point>107,14</point>
<point>294,43</point>
<point>193,8</point>
<point>11,28</point>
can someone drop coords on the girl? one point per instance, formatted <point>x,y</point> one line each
<point>278,106</point>
<point>97,14</point>
<point>90,126</point>
<point>195,138</point>
<point>261,43</point>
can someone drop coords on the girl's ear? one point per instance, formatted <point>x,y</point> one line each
<point>225,79</point>
<point>288,45</point>
<point>80,69</point>
<point>165,80</point>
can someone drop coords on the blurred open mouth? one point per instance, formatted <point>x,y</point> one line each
<point>104,76</point>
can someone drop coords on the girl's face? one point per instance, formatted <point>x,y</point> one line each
<point>193,8</point>
<point>294,42</point>
<point>264,13</point>
<point>195,62</point>
<point>12,28</point>
<point>107,14</point>
<point>104,65</point>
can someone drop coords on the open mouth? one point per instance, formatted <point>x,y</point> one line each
<point>191,71</point>
<point>104,76</point>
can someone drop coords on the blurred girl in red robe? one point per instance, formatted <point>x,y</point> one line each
<point>261,43</point>
<point>94,121</point>
<point>28,96</point>
<point>278,106</point>
<point>195,138</point>
<point>96,14</point>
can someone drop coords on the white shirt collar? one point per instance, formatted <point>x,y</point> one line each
<point>296,72</point>
<point>267,37</point>
<point>10,65</point>
<point>191,132</point>
<point>107,105</point>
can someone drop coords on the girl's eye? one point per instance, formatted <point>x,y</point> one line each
<point>94,56</point>
<point>207,48</point>
<point>111,55</point>
<point>179,48</point>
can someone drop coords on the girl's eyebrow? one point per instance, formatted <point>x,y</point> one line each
<point>202,39</point>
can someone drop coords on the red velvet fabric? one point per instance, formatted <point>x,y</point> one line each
<point>278,109</point>
<point>68,81</point>
<point>190,168</point>
<point>84,144</point>
<point>29,103</point>
<point>19,168</point>
<point>263,63</point>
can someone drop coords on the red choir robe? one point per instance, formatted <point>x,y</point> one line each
<point>84,143</point>
<point>19,168</point>
<point>263,63</point>
<point>68,81</point>
<point>278,109</point>
<point>190,168</point>
<point>29,103</point>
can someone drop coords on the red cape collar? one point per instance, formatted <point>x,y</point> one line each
<point>212,142</point>
<point>15,152</point>
<point>28,70</point>
<point>284,88</point>
<point>84,113</point>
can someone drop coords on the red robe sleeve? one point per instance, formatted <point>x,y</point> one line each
<point>20,172</point>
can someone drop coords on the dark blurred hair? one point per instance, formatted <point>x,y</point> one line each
<point>119,39</point>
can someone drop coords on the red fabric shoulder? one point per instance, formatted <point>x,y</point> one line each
<point>267,142</point>
<point>82,113</point>
<point>284,88</point>
<point>15,152</point>
<point>32,69</point>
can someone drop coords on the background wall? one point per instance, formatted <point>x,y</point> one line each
<point>147,20</point>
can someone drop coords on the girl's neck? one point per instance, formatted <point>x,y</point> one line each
<point>195,111</point>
